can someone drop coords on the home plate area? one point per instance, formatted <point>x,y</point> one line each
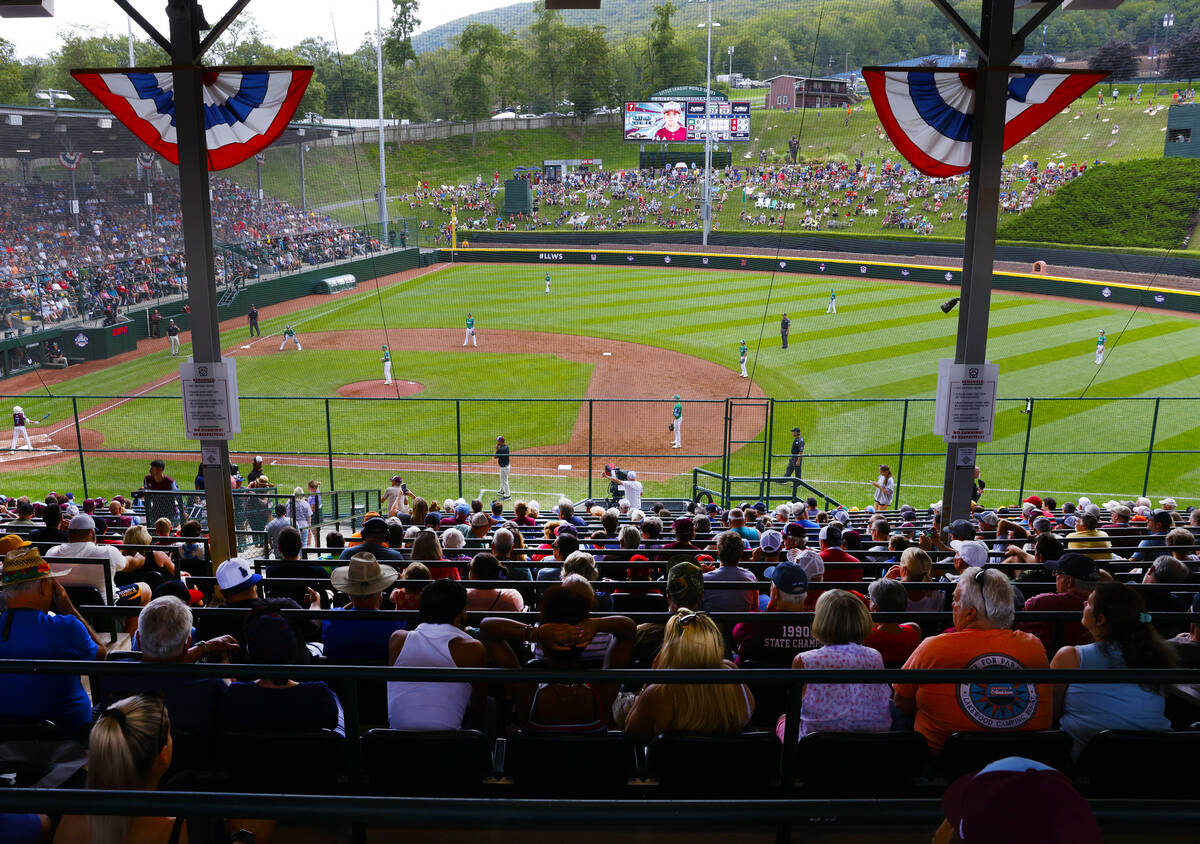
<point>41,445</point>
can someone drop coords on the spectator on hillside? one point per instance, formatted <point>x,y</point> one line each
<point>894,640</point>
<point>276,705</point>
<point>28,630</point>
<point>982,638</point>
<point>374,541</point>
<point>730,547</point>
<point>1075,576</point>
<point>1124,638</point>
<point>81,542</point>
<point>832,552</point>
<point>437,642</point>
<point>485,566</point>
<point>1157,527</point>
<point>364,580</point>
<point>563,633</point>
<point>693,641</point>
<point>841,624</point>
<point>164,634</point>
<point>773,644</point>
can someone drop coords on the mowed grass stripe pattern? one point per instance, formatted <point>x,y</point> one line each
<point>884,343</point>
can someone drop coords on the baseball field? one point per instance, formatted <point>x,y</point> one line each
<point>593,365</point>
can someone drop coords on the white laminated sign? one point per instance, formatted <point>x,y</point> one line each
<point>210,400</point>
<point>966,401</point>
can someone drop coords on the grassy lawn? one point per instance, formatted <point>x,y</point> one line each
<point>834,382</point>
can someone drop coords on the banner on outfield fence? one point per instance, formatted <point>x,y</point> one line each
<point>966,401</point>
<point>210,400</point>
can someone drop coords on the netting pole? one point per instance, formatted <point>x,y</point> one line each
<point>900,459</point>
<point>458,441</point>
<point>1150,447</point>
<point>329,444</point>
<point>1025,456</point>
<point>79,444</point>
<point>591,407</point>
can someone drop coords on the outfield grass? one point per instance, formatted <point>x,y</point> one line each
<point>884,344</point>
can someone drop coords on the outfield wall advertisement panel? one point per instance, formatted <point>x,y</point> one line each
<point>1091,291</point>
<point>684,121</point>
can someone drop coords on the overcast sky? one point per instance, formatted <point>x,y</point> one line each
<point>284,22</point>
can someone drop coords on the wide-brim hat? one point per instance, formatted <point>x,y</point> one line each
<point>25,565</point>
<point>363,576</point>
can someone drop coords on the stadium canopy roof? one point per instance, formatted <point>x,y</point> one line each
<point>33,132</point>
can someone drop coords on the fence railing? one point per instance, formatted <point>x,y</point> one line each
<point>1065,447</point>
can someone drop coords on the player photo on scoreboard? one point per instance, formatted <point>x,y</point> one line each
<point>655,122</point>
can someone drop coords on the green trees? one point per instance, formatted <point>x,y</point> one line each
<point>481,46</point>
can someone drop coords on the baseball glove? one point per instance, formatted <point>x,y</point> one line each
<point>671,427</point>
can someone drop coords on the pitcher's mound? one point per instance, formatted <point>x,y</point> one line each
<point>378,390</point>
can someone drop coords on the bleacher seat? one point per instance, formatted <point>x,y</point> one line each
<point>305,762</point>
<point>439,763</point>
<point>969,751</point>
<point>880,764</point>
<point>703,765</point>
<point>557,765</point>
<point>624,602</point>
<point>29,729</point>
<point>1132,764</point>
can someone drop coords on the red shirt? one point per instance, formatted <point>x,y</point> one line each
<point>897,647</point>
<point>1073,631</point>
<point>841,575</point>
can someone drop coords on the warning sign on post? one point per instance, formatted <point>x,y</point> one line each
<point>966,401</point>
<point>210,400</point>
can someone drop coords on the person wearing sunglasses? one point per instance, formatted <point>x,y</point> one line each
<point>982,637</point>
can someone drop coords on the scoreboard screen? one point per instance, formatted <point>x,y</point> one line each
<point>685,121</point>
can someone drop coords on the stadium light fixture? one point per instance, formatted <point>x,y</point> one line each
<point>23,150</point>
<point>949,305</point>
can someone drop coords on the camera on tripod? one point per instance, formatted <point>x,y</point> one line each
<point>616,476</point>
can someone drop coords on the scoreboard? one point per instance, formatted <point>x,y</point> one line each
<point>727,121</point>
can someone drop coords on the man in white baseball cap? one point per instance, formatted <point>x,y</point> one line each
<point>672,128</point>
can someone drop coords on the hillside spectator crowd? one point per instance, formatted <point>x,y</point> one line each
<point>118,251</point>
<point>809,195</point>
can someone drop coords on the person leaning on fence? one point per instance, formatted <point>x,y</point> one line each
<point>982,638</point>
<point>692,640</point>
<point>840,624</point>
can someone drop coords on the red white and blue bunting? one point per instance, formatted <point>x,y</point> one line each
<point>245,109</point>
<point>929,114</point>
<point>70,160</point>
<point>145,160</point>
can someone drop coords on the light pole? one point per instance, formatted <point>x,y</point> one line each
<point>383,209</point>
<point>52,94</point>
<point>730,65</point>
<point>706,199</point>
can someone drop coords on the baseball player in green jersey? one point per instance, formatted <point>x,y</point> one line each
<point>832,309</point>
<point>289,333</point>
<point>677,422</point>
<point>470,335</point>
<point>1100,348</point>
<point>387,365</point>
<point>547,282</point>
<point>743,353</point>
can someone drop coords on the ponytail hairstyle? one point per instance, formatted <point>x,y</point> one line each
<point>125,742</point>
<point>1128,629</point>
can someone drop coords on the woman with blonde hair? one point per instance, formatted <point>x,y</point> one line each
<point>129,750</point>
<point>153,561</point>
<point>300,510</point>
<point>840,624</point>
<point>914,567</point>
<point>691,640</point>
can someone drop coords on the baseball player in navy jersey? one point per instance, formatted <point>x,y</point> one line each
<point>19,429</point>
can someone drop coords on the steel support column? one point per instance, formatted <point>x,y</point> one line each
<point>186,20</point>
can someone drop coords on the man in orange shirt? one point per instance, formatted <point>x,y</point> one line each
<point>982,638</point>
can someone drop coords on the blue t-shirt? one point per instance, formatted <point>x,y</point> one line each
<point>360,641</point>
<point>305,706</point>
<point>59,698</point>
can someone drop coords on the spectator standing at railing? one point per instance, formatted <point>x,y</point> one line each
<point>982,637</point>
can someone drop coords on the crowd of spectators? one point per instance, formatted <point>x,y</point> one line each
<point>957,589</point>
<point>117,251</point>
